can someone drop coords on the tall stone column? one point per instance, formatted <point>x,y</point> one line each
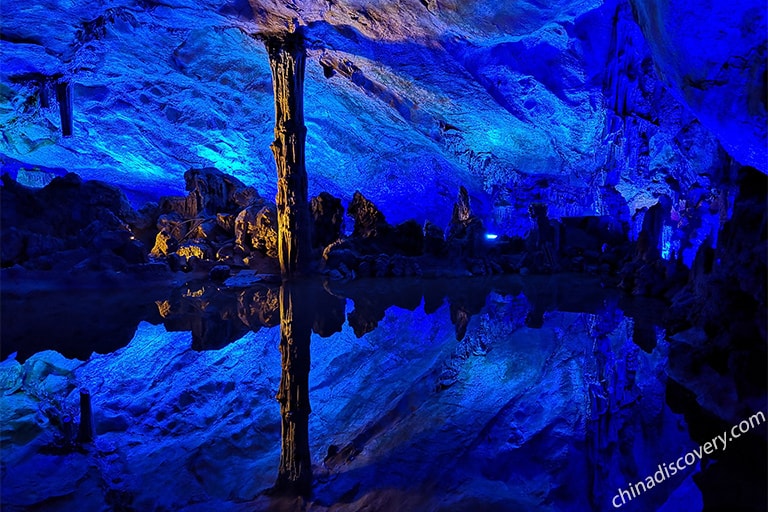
<point>286,59</point>
<point>295,473</point>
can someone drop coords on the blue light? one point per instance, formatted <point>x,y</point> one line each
<point>489,236</point>
<point>670,245</point>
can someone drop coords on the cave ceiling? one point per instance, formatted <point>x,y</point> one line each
<point>584,104</point>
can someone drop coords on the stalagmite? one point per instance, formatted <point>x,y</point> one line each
<point>85,431</point>
<point>286,59</point>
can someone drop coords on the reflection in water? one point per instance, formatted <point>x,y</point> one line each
<point>295,473</point>
<point>77,324</point>
<point>520,393</point>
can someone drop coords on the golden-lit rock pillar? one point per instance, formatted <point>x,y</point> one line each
<point>286,59</point>
<point>295,473</point>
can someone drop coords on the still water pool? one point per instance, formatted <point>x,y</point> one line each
<point>517,393</point>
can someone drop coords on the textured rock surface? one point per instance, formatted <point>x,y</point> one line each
<point>327,215</point>
<point>65,222</point>
<point>568,102</point>
<point>718,69</point>
<point>408,417</point>
<point>256,229</point>
<point>287,58</point>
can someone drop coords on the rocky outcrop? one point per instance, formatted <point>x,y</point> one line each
<point>68,222</point>
<point>211,191</point>
<point>327,215</point>
<point>465,233</point>
<point>256,230</point>
<point>434,239</point>
<point>717,349</point>
<point>368,220</point>
<point>722,82</point>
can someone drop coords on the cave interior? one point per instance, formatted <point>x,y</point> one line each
<point>383,255</point>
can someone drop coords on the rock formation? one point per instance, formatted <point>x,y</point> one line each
<point>286,58</point>
<point>295,472</point>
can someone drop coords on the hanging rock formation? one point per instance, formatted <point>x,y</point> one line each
<point>295,471</point>
<point>286,60</point>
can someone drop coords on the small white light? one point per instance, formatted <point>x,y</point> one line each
<point>489,236</point>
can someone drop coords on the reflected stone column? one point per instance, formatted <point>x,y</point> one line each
<point>295,472</point>
<point>286,59</point>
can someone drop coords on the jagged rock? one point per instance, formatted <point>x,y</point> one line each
<point>369,221</point>
<point>11,376</point>
<point>408,238</point>
<point>207,229</point>
<point>246,197</point>
<point>165,244</point>
<point>366,266</point>
<point>649,238</point>
<point>381,266</point>
<point>542,241</point>
<point>478,267</point>
<point>262,263</point>
<point>703,262</point>
<point>143,223</point>
<point>172,224</point>
<point>592,240</point>
<point>62,216</point>
<point>543,234</point>
<point>195,248</point>
<point>462,212</point>
<point>212,191</point>
<point>98,237</point>
<point>336,255</point>
<point>175,262</point>
<point>434,241</point>
<point>226,221</point>
<point>38,245</point>
<point>133,252</point>
<point>183,206</point>
<point>465,231</point>
<point>327,216</point>
<point>256,230</point>
<point>401,266</point>
<point>374,235</point>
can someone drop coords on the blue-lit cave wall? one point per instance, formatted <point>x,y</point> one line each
<point>595,108</point>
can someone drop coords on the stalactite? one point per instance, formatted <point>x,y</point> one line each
<point>286,59</point>
<point>295,472</point>
<point>64,97</point>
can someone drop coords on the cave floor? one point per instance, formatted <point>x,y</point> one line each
<point>513,393</point>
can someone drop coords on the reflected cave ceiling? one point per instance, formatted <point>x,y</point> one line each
<point>593,107</point>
